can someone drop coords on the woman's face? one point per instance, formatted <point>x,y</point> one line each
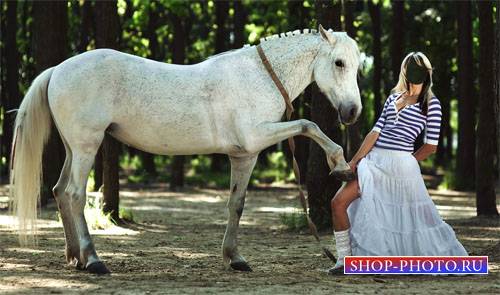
<point>415,74</point>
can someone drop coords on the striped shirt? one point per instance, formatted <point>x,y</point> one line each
<point>399,129</point>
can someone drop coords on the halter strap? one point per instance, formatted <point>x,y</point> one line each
<point>277,82</point>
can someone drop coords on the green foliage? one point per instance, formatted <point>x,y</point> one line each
<point>126,214</point>
<point>277,170</point>
<point>200,174</point>
<point>294,221</point>
<point>96,218</point>
<point>449,181</point>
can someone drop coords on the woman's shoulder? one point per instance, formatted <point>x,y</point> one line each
<point>434,102</point>
<point>394,95</point>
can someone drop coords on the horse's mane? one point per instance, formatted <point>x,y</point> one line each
<point>273,37</point>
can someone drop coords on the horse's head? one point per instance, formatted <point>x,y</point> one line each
<point>335,72</point>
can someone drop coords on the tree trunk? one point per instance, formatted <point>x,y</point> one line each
<point>50,29</point>
<point>3,96</point>
<point>239,21</point>
<point>465,159</point>
<point>321,186</point>
<point>299,17</point>
<point>106,36</point>
<point>179,56</point>
<point>86,26</point>
<point>148,162</point>
<point>354,138</point>
<point>497,72</point>
<point>397,38</point>
<point>486,129</point>
<point>219,161</point>
<point>11,93</point>
<point>374,10</point>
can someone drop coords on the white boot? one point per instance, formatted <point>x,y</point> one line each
<point>343,245</point>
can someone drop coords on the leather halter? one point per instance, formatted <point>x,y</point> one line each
<point>291,143</point>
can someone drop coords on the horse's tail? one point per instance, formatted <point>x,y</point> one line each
<point>32,130</point>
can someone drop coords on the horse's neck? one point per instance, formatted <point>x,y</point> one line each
<point>292,60</point>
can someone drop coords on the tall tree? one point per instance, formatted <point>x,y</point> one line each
<point>106,36</point>
<point>239,21</point>
<point>442,63</point>
<point>374,10</point>
<point>11,95</point>
<point>321,186</point>
<point>153,24</point>
<point>299,18</point>
<point>397,38</point>
<point>178,57</point>
<point>221,45</point>
<point>465,159</point>
<point>354,130</point>
<point>486,129</point>
<point>497,72</point>
<point>85,26</point>
<point>50,39</point>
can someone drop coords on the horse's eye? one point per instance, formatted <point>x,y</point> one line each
<point>339,63</point>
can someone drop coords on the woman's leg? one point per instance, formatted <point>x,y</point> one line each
<point>342,199</point>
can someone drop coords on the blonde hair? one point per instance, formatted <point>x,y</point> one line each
<point>403,83</point>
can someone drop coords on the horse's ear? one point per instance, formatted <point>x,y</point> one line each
<point>326,35</point>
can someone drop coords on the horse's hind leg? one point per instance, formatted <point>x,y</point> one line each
<point>241,170</point>
<point>81,164</point>
<point>64,204</point>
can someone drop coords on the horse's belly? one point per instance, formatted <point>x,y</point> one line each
<point>171,139</point>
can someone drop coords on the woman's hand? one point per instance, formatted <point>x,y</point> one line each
<point>354,165</point>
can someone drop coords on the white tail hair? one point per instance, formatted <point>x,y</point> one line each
<point>32,130</point>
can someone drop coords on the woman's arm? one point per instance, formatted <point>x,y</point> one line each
<point>424,151</point>
<point>432,130</point>
<point>365,147</point>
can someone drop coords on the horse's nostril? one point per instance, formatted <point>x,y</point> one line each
<point>352,113</point>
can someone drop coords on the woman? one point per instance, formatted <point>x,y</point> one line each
<point>387,210</point>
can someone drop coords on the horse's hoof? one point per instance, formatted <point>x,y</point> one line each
<point>346,175</point>
<point>79,266</point>
<point>98,268</point>
<point>241,266</point>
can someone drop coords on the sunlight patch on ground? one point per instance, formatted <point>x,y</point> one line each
<point>484,239</point>
<point>114,230</point>
<point>242,222</point>
<point>30,283</point>
<point>11,222</point>
<point>164,209</point>
<point>189,255</point>
<point>452,199</point>
<point>456,212</point>
<point>207,199</point>
<point>27,250</point>
<point>11,266</point>
<point>276,209</point>
<point>444,192</point>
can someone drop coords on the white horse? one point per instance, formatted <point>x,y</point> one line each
<point>225,104</point>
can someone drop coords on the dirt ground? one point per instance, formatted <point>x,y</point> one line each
<point>174,248</point>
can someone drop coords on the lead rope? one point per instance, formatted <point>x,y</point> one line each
<point>291,143</point>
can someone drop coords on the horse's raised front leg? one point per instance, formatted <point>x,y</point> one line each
<point>241,170</point>
<point>267,134</point>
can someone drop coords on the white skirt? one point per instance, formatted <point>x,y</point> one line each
<point>395,214</point>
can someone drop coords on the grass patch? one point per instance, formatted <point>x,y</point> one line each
<point>294,221</point>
